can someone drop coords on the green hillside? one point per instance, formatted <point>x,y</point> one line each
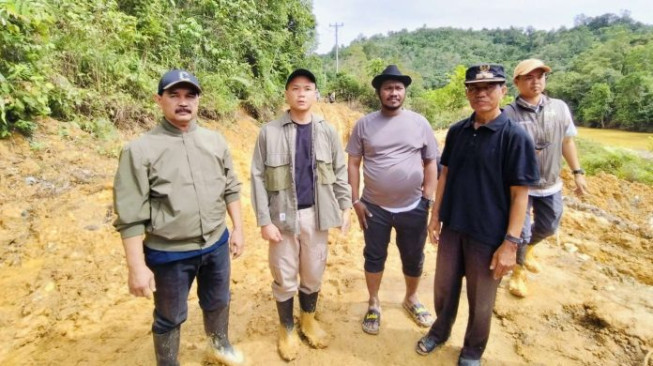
<point>603,67</point>
<point>97,62</point>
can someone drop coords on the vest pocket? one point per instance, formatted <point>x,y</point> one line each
<point>277,172</point>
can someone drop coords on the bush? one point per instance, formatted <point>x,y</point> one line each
<point>24,46</point>
<point>100,60</point>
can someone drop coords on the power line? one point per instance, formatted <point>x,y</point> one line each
<point>336,26</point>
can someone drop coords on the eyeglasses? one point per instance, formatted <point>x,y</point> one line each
<point>474,89</point>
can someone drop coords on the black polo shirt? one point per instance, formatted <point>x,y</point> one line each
<point>482,165</point>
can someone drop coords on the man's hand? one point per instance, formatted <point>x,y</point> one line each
<point>504,259</point>
<point>581,185</point>
<point>236,243</point>
<point>362,213</point>
<point>270,232</point>
<point>433,229</point>
<point>141,281</point>
<point>346,221</point>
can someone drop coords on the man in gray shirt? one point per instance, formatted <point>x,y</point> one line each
<point>400,171</point>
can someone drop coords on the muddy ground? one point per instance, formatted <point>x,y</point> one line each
<point>65,300</point>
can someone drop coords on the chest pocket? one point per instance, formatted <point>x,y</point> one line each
<point>277,172</point>
<point>325,174</point>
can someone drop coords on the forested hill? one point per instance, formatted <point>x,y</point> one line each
<point>97,62</point>
<point>603,66</point>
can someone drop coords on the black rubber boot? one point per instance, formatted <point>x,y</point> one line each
<point>308,302</point>
<point>288,341</point>
<point>285,310</point>
<point>216,326</point>
<point>166,348</point>
<point>308,325</point>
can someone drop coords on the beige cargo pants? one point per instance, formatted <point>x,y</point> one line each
<point>302,256</point>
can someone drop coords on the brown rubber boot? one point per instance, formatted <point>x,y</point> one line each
<point>288,342</point>
<point>517,285</point>
<point>530,262</point>
<point>309,327</point>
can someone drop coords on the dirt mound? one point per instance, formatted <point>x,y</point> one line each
<point>65,299</point>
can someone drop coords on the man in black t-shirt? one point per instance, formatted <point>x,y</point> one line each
<point>299,191</point>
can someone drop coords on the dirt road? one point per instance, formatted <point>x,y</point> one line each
<point>65,300</point>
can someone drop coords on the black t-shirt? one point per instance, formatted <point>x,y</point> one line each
<point>482,165</point>
<point>304,166</point>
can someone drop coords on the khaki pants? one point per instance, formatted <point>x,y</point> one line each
<point>304,255</point>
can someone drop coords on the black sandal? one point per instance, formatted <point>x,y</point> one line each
<point>427,344</point>
<point>372,317</point>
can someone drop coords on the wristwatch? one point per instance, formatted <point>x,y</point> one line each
<point>578,171</point>
<point>430,201</point>
<point>513,239</point>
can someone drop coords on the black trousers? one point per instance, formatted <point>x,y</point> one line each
<point>174,280</point>
<point>461,256</point>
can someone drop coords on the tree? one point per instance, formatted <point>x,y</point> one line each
<point>633,100</point>
<point>596,106</point>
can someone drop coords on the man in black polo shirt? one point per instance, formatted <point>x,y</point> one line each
<point>488,163</point>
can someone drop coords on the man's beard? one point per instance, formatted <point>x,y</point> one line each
<point>392,108</point>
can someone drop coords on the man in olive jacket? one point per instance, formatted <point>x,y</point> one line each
<point>299,191</point>
<point>172,191</point>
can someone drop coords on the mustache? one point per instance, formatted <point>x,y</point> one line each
<point>182,109</point>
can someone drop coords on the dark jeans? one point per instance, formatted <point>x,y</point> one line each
<point>547,212</point>
<point>410,227</point>
<point>174,280</point>
<point>461,256</point>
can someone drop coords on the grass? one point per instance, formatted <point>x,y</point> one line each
<point>624,163</point>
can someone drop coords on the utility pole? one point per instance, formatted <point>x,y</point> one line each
<point>336,26</point>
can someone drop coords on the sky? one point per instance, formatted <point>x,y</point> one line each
<point>370,17</point>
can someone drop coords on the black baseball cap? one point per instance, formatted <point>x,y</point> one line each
<point>301,72</point>
<point>174,77</point>
<point>485,73</point>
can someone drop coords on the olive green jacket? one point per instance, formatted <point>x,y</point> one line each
<point>273,175</point>
<point>174,187</point>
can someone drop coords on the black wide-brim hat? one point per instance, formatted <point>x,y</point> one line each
<point>391,73</point>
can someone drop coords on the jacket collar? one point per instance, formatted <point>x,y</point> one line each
<point>169,127</point>
<point>544,100</point>
<point>285,118</point>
